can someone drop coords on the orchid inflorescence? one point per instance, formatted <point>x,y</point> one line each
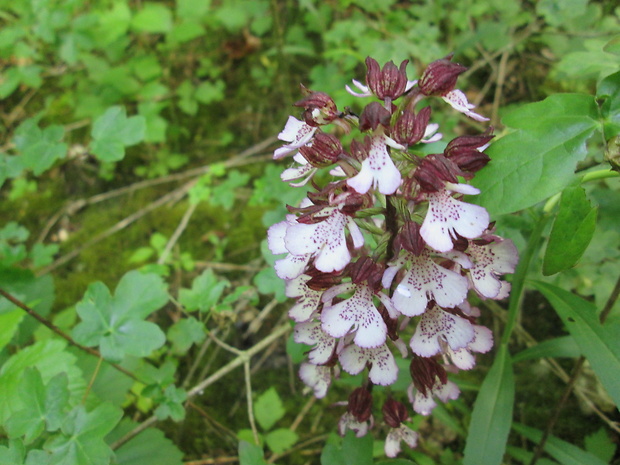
<point>422,251</point>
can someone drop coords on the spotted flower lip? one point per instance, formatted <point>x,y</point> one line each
<point>457,100</point>
<point>316,377</point>
<point>378,170</point>
<point>424,403</point>
<point>447,216</point>
<point>383,371</point>
<point>437,326</point>
<point>491,261</point>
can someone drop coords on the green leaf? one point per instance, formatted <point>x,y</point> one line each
<point>210,92</point>
<point>192,9</point>
<point>525,456</point>
<point>608,91</point>
<point>599,343</point>
<point>152,18</point>
<point>149,447</point>
<point>572,231</point>
<point>9,323</point>
<point>39,148</point>
<point>396,462</point>
<point>554,348</point>
<point>601,445</point>
<point>562,451</point>
<point>82,441</point>
<point>44,405</point>
<point>206,292</point>
<point>350,451</point>
<point>113,131</point>
<point>172,404</point>
<point>186,332</point>
<point>224,194</point>
<point>250,454</point>
<point>50,358</point>
<point>492,414</point>
<point>268,409</point>
<point>538,160</point>
<point>281,439</point>
<point>14,454</point>
<point>117,323</point>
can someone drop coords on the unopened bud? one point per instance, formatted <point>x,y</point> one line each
<point>366,270</point>
<point>360,404</point>
<point>389,82</point>
<point>319,108</point>
<point>424,373</point>
<point>394,413</point>
<point>411,239</point>
<point>373,115</point>
<point>434,171</point>
<point>323,150</point>
<point>440,77</point>
<point>409,128</point>
<point>463,151</point>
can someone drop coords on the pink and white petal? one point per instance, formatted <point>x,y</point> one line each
<point>353,359</point>
<point>301,239</point>
<point>446,392</point>
<point>462,358</point>
<point>435,324</point>
<point>431,134</point>
<point>334,256</point>
<point>365,91</point>
<point>446,215</point>
<point>310,333</point>
<point>291,266</point>
<point>392,270</point>
<point>348,421</point>
<point>395,436</point>
<point>464,189</point>
<point>275,237</point>
<point>457,100</point>
<point>483,340</point>
<point>298,133</point>
<point>318,378</point>
<point>298,172</point>
<point>362,181</point>
<point>384,370</point>
<point>424,404</point>
<point>389,305</point>
<point>371,329</point>
<point>333,322</point>
<point>356,233</point>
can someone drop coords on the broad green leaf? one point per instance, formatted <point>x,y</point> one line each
<point>556,107</point>
<point>530,165</point>
<point>559,347</point>
<point>351,450</point>
<point>205,293</point>
<point>82,441</point>
<point>492,415</point>
<point>601,445</point>
<point>599,343</point>
<point>562,451</point>
<point>210,92</point>
<point>152,18</point>
<point>192,9</point>
<point>280,440</point>
<point>113,131</point>
<point>268,408</point>
<point>224,194</point>
<point>149,447</point>
<point>186,332</point>
<point>117,323</point>
<point>9,322</point>
<point>572,231</point>
<point>557,12</point>
<point>525,456</point>
<point>14,454</point>
<point>50,358</point>
<point>39,148</point>
<point>44,405</point>
<point>250,454</point>
<point>608,91</point>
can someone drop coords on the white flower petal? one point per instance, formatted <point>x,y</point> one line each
<point>318,378</point>
<point>491,261</point>
<point>291,266</point>
<point>457,100</point>
<point>378,170</point>
<point>395,436</point>
<point>436,325</point>
<point>310,333</point>
<point>298,133</point>
<point>447,215</point>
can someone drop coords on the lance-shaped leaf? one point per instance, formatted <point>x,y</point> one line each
<point>539,159</point>
<point>44,405</point>
<point>572,231</point>
<point>492,415</point>
<point>113,131</point>
<point>599,343</point>
<point>116,324</point>
<point>82,441</point>
<point>562,451</point>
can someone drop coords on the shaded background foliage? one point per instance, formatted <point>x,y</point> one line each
<point>123,129</point>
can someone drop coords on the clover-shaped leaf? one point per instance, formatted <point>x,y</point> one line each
<point>44,405</point>
<point>116,324</point>
<point>113,131</point>
<point>39,148</point>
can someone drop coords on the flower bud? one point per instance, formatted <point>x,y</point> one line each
<point>373,115</point>
<point>424,372</point>
<point>410,238</point>
<point>388,83</point>
<point>319,108</point>
<point>409,128</point>
<point>434,171</point>
<point>359,150</point>
<point>365,269</point>
<point>322,151</point>
<point>360,404</point>
<point>440,77</point>
<point>463,151</point>
<point>394,412</point>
